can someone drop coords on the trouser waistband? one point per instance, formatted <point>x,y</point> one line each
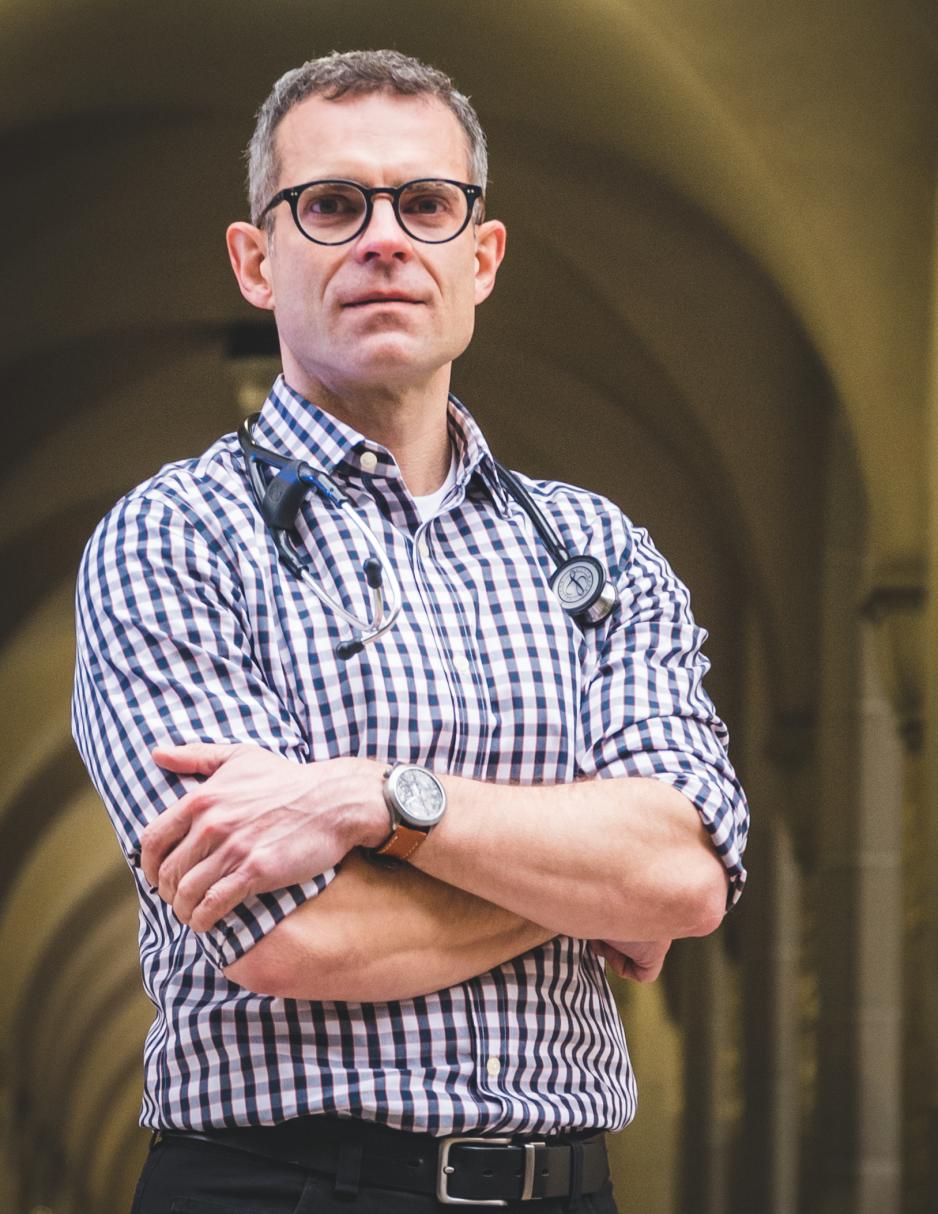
<point>459,1168</point>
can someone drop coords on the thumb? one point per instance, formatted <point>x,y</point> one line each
<point>198,758</point>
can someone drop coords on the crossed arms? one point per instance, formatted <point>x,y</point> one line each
<point>165,655</point>
<point>618,861</point>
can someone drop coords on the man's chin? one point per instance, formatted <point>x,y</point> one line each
<point>395,364</point>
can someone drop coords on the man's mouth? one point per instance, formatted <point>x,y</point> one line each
<point>378,298</point>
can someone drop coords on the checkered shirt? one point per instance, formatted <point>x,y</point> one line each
<point>190,629</point>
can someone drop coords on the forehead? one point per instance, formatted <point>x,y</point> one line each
<point>378,138</point>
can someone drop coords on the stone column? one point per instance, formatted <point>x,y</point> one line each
<point>763,936</point>
<point>766,1179</point>
<point>855,1163</point>
<point>925,951</point>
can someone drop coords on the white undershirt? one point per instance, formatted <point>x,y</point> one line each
<point>429,503</point>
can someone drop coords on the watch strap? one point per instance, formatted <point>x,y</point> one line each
<point>402,842</point>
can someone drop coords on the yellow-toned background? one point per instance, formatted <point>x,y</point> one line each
<point>719,308</point>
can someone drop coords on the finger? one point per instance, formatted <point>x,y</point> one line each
<point>194,883</point>
<point>161,836</point>
<point>194,758</point>
<point>647,972</point>
<point>201,841</point>
<point>614,960</point>
<point>227,893</point>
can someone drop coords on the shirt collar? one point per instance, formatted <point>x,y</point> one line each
<point>296,427</point>
<point>473,456</point>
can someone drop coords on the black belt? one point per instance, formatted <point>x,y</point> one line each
<point>458,1170</point>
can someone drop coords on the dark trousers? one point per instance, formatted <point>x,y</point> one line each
<point>186,1176</point>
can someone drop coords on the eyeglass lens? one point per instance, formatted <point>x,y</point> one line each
<point>334,211</point>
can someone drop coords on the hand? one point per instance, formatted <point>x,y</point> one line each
<point>639,960</point>
<point>258,823</point>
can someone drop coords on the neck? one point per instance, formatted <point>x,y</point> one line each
<point>411,422</point>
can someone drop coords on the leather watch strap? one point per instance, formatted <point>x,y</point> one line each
<point>403,842</point>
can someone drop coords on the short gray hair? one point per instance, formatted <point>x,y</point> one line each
<point>353,73</point>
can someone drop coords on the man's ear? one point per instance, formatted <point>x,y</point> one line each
<point>489,251</point>
<point>247,248</point>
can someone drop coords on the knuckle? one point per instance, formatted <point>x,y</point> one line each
<point>239,850</point>
<point>209,833</point>
<point>201,800</point>
<point>210,898</point>
<point>249,872</point>
<point>185,886</point>
<point>166,877</point>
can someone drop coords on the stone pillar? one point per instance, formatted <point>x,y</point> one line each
<point>925,950</point>
<point>707,1014</point>
<point>767,1180</point>
<point>896,612</point>
<point>763,935</point>
<point>878,875</point>
<point>855,1165</point>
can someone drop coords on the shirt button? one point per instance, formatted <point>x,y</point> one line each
<point>493,1066</point>
<point>461,663</point>
<point>369,461</point>
<point>423,547</point>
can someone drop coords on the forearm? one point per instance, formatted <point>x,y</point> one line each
<point>615,859</point>
<point>377,935</point>
<point>622,859</point>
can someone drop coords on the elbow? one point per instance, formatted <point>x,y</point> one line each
<point>690,900</point>
<point>705,900</point>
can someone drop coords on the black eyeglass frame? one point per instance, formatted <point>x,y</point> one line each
<point>473,193</point>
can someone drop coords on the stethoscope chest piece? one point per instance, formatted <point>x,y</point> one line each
<point>583,589</point>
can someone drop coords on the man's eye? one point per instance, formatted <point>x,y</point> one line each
<point>329,204</point>
<point>427,203</point>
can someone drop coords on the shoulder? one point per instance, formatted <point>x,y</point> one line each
<point>189,513</point>
<point>206,492</point>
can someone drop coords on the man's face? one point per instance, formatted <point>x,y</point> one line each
<point>384,310</point>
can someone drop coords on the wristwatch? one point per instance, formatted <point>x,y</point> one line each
<point>416,801</point>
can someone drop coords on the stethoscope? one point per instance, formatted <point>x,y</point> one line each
<point>580,582</point>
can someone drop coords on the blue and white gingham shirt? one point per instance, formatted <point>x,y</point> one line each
<point>190,629</point>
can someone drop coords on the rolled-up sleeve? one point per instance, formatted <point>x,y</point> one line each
<point>645,710</point>
<point>164,655</point>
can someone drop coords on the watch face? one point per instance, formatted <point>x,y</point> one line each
<point>420,796</point>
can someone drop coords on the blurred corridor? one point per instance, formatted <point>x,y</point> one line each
<point>717,308</point>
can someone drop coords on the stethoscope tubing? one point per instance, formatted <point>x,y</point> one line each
<point>389,603</point>
<point>580,581</point>
<point>278,509</point>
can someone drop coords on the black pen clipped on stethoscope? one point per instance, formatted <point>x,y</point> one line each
<point>580,582</point>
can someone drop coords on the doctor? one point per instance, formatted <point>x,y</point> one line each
<point>378,895</point>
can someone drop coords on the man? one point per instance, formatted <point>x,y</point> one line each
<point>336,1029</point>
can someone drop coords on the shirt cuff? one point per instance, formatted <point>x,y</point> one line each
<point>242,928</point>
<point>716,799</point>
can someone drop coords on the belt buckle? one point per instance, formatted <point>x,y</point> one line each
<point>445,1170</point>
<point>530,1159</point>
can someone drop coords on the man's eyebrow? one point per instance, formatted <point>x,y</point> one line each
<point>371,179</point>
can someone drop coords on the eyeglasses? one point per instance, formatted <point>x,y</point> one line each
<point>432,209</point>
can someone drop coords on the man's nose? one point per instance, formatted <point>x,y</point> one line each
<point>383,236</point>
